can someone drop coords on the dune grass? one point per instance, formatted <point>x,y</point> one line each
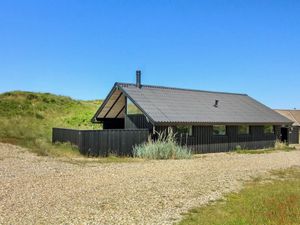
<point>269,201</point>
<point>27,118</point>
<point>165,147</point>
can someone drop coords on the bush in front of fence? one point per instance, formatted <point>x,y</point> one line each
<point>165,147</point>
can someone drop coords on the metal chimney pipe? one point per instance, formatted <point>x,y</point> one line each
<point>216,103</point>
<point>138,79</point>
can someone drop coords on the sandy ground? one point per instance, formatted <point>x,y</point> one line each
<point>44,190</point>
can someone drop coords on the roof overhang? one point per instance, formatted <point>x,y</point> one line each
<point>112,107</point>
<point>220,123</point>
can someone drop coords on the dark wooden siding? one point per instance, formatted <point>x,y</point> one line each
<point>137,122</point>
<point>120,141</point>
<point>102,142</point>
<point>203,140</point>
<point>294,136</point>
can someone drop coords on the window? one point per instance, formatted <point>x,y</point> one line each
<point>268,129</point>
<point>219,130</point>
<point>243,129</point>
<point>184,130</point>
<point>132,109</point>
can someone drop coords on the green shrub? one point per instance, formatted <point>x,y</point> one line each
<point>165,147</point>
<point>31,96</point>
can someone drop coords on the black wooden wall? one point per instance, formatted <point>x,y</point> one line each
<point>137,122</point>
<point>294,136</point>
<point>203,140</point>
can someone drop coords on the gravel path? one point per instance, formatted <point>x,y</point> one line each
<point>43,190</point>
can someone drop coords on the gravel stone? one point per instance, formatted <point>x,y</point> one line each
<point>45,190</point>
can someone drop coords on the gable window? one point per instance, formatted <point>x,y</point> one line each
<point>243,129</point>
<point>185,130</point>
<point>132,109</point>
<point>268,129</point>
<point>219,130</point>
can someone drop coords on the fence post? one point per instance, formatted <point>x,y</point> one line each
<point>53,133</point>
<point>80,142</point>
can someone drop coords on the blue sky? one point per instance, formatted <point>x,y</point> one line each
<point>80,48</point>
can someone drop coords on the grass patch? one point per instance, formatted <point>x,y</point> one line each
<point>279,146</point>
<point>27,118</point>
<point>255,151</point>
<point>42,148</point>
<point>109,159</point>
<point>165,147</point>
<point>276,201</point>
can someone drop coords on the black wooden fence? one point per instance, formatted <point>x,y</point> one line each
<point>102,142</point>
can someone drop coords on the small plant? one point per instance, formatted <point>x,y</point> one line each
<point>238,148</point>
<point>165,147</point>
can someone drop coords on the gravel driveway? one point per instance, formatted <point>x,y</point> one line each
<point>44,190</point>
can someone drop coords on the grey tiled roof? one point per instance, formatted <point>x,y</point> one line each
<point>175,105</point>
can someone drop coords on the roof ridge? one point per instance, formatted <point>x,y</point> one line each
<point>293,116</point>
<point>287,109</point>
<point>182,89</point>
